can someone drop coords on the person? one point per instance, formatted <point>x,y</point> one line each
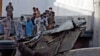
<point>42,24</point>
<point>20,33</point>
<point>34,10</point>
<point>36,20</point>
<point>7,26</point>
<point>29,27</point>
<point>9,10</point>
<point>37,23</point>
<point>51,20</point>
<point>47,13</point>
<point>37,12</point>
<point>45,16</point>
<point>33,18</point>
<point>35,27</point>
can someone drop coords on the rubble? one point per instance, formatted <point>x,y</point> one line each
<point>58,41</point>
<point>55,42</point>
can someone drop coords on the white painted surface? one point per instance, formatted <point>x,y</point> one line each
<point>84,7</point>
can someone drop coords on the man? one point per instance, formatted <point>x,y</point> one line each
<point>42,23</point>
<point>45,16</point>
<point>34,10</point>
<point>9,10</point>
<point>37,22</point>
<point>20,33</point>
<point>29,27</point>
<point>7,26</point>
<point>33,18</point>
<point>51,20</point>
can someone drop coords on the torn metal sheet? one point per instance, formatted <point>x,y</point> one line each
<point>33,39</point>
<point>59,45</point>
<point>66,26</point>
<point>53,47</point>
<point>42,47</point>
<point>61,37</point>
<point>69,40</point>
<point>79,23</point>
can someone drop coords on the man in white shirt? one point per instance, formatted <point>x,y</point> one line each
<point>37,22</point>
<point>20,31</point>
<point>7,26</point>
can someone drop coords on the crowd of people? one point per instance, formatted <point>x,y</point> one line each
<point>39,22</point>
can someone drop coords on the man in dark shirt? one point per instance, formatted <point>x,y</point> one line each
<point>51,20</point>
<point>9,10</point>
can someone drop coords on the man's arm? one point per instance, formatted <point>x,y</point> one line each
<point>3,20</point>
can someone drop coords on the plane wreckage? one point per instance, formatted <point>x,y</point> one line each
<point>54,42</point>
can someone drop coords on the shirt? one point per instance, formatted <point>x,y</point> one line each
<point>29,28</point>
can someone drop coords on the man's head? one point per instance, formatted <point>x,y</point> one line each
<point>34,8</point>
<point>46,11</point>
<point>37,9</point>
<point>41,16</point>
<point>50,9</point>
<point>10,3</point>
<point>28,18</point>
<point>22,18</point>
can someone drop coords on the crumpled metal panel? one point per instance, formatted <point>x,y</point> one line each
<point>79,22</point>
<point>69,40</point>
<point>54,46</point>
<point>66,26</point>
